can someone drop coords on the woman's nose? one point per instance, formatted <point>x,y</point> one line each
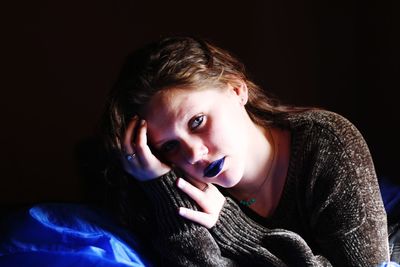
<point>194,151</point>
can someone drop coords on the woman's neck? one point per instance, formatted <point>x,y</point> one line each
<point>262,149</point>
<point>262,187</point>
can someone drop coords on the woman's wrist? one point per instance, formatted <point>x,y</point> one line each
<point>166,199</point>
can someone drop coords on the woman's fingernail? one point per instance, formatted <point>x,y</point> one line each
<point>180,183</point>
<point>182,211</point>
<point>142,122</point>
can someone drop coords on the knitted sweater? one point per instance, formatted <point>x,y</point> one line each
<point>330,212</point>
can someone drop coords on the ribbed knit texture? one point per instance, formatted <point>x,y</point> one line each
<point>180,242</point>
<point>331,209</point>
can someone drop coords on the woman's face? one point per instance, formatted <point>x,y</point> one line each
<point>203,132</point>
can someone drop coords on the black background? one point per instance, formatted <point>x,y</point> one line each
<point>60,58</point>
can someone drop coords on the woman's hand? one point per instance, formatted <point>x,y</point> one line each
<point>138,160</point>
<point>208,197</point>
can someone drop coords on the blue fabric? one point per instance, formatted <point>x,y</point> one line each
<point>391,197</point>
<point>389,264</point>
<point>67,235</point>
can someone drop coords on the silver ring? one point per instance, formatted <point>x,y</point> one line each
<point>205,188</point>
<point>130,157</point>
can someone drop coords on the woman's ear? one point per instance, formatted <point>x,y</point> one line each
<point>241,90</point>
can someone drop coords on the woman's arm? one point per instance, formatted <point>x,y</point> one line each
<point>186,243</point>
<point>179,241</point>
<point>346,214</point>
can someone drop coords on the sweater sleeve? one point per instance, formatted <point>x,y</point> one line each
<point>346,214</point>
<point>179,241</point>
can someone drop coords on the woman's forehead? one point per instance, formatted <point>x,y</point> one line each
<point>178,98</point>
<point>175,103</point>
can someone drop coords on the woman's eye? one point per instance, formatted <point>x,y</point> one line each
<point>196,122</point>
<point>169,146</point>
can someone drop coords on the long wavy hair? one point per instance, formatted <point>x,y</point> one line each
<point>186,62</point>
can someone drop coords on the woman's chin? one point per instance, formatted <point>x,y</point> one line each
<point>227,182</point>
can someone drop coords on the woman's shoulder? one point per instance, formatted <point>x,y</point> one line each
<point>326,128</point>
<point>322,120</point>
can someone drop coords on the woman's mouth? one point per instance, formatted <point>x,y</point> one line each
<point>214,168</point>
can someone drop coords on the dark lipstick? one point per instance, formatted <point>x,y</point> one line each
<point>214,168</point>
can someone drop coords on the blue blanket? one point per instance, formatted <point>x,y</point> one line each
<point>67,235</point>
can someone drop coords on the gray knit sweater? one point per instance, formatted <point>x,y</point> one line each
<point>330,213</point>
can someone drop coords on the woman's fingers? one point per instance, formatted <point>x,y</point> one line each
<point>192,191</point>
<point>129,156</point>
<point>129,136</point>
<point>200,185</point>
<point>138,159</point>
<point>199,217</point>
<point>141,145</point>
<point>208,198</point>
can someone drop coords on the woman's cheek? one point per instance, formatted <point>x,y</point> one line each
<point>219,135</point>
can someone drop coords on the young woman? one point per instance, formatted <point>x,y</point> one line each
<point>219,174</point>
